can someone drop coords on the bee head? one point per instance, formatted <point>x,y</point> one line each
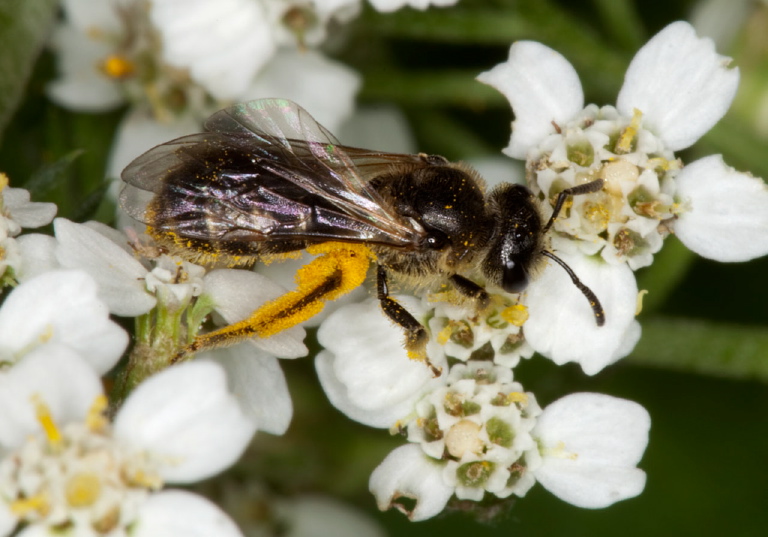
<point>516,243</point>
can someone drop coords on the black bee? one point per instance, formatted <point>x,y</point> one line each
<point>266,181</point>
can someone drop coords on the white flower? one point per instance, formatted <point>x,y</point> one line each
<point>60,308</point>
<point>591,444</point>
<point>65,465</point>
<point>171,285</point>
<point>222,44</point>
<point>676,88</point>
<point>83,42</point>
<point>226,45</point>
<point>17,212</point>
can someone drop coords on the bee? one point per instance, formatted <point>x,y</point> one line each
<point>266,181</point>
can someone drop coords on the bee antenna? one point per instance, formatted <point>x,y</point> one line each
<point>586,188</point>
<point>594,303</point>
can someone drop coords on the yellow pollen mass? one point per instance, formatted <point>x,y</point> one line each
<point>96,419</point>
<point>515,315</point>
<point>117,66</point>
<point>82,490</point>
<point>627,136</point>
<point>37,503</point>
<point>445,334</point>
<point>45,419</point>
<point>517,397</point>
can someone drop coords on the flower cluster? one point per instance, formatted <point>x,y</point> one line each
<point>71,465</point>
<point>177,62</point>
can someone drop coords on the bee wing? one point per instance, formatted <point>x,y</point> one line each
<point>267,171</point>
<point>287,133</point>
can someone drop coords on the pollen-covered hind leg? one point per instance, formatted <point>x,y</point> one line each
<point>416,336</point>
<point>343,267</point>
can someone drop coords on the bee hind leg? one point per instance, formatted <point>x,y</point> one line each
<point>338,271</point>
<point>416,336</point>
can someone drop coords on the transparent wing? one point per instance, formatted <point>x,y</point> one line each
<point>252,178</point>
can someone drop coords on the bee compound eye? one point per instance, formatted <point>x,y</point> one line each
<point>436,241</point>
<point>514,278</point>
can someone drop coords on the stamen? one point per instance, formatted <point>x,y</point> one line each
<point>82,490</point>
<point>117,67</point>
<point>518,397</point>
<point>515,315</point>
<point>627,136</point>
<point>37,503</point>
<point>96,419</point>
<point>45,419</point>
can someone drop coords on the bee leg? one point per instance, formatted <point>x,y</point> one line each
<point>416,336</point>
<point>470,289</point>
<point>341,269</point>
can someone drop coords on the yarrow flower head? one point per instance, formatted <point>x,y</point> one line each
<point>676,88</point>
<point>481,433</point>
<point>171,298</point>
<point>473,430</point>
<point>64,467</point>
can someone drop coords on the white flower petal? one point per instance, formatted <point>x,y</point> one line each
<point>382,417</point>
<point>65,383</point>
<point>239,293</point>
<point>368,364</point>
<point>38,255</point>
<point>728,216</point>
<point>8,519</point>
<point>407,472</point>
<point>317,516</point>
<point>61,307</point>
<point>257,382</point>
<point>592,444</point>
<point>680,84</point>
<point>542,86</point>
<point>324,87</point>
<point>119,276</point>
<point>186,415</point>
<point>81,85</point>
<point>28,214</point>
<point>387,6</point>
<point>223,44</point>
<point>87,15</point>
<point>178,513</point>
<point>561,324</point>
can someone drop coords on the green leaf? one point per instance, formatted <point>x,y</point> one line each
<point>51,175</point>
<point>430,88</point>
<point>704,347</point>
<point>24,27</point>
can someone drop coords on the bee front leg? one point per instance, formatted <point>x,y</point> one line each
<point>416,336</point>
<point>470,289</point>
